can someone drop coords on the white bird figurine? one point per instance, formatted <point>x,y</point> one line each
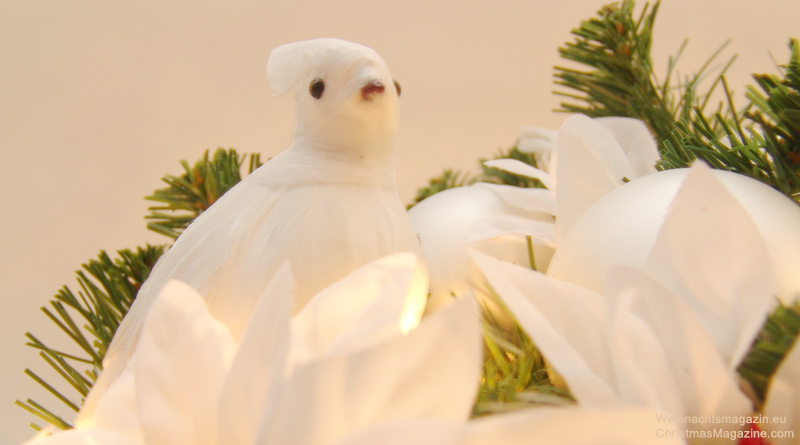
<point>328,204</point>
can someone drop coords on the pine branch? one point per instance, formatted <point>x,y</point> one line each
<point>763,144</point>
<point>777,116</point>
<point>108,287</point>
<point>620,82</point>
<point>106,294</point>
<point>779,333</point>
<point>189,195</point>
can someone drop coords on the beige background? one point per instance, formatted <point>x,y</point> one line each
<point>101,99</point>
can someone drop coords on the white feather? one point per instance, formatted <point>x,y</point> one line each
<point>328,204</point>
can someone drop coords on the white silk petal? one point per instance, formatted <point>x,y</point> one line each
<point>180,366</point>
<point>710,254</point>
<point>699,381</point>
<point>256,374</point>
<point>541,232</point>
<point>574,426</point>
<point>417,432</point>
<point>84,437</point>
<point>536,140</point>
<point>635,140</point>
<point>417,376</point>
<point>565,426</point>
<point>116,410</point>
<point>566,322</point>
<point>379,300</point>
<point>590,163</point>
<point>521,169</point>
<point>783,399</point>
<point>641,365</point>
<point>528,199</point>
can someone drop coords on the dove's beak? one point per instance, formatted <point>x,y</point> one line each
<point>372,90</point>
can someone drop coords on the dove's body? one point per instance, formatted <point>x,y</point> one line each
<point>327,219</point>
<point>328,204</point>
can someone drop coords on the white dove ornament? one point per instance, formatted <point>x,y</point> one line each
<point>328,204</point>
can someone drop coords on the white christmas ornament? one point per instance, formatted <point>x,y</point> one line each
<point>328,204</point>
<point>621,227</point>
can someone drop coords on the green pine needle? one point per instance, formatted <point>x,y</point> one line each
<point>619,81</point>
<point>616,78</point>
<point>779,333</point>
<point>108,288</point>
<point>515,374</point>
<point>189,195</point>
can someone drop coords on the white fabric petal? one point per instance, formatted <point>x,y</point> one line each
<point>536,140</point>
<point>566,322</point>
<point>116,410</point>
<point>256,374</point>
<point>541,232</point>
<point>520,168</point>
<point>180,366</point>
<point>683,372</point>
<point>566,426</point>
<point>525,198</point>
<point>419,375</point>
<point>710,253</point>
<point>783,399</point>
<point>417,432</point>
<point>574,426</point>
<point>84,437</point>
<point>641,365</point>
<point>590,163</point>
<point>635,140</point>
<point>381,299</point>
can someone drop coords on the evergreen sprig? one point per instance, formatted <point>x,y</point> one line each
<point>620,81</point>
<point>779,333</point>
<point>777,116</point>
<point>89,318</point>
<point>190,194</point>
<point>760,140</point>
<point>109,286</point>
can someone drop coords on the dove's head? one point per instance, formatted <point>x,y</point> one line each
<point>346,98</point>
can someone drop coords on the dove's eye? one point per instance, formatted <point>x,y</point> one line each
<point>316,88</point>
<point>397,87</point>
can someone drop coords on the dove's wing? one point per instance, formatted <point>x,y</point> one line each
<point>197,258</point>
<point>229,253</point>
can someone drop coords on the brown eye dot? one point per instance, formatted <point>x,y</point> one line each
<point>316,88</point>
<point>397,87</point>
